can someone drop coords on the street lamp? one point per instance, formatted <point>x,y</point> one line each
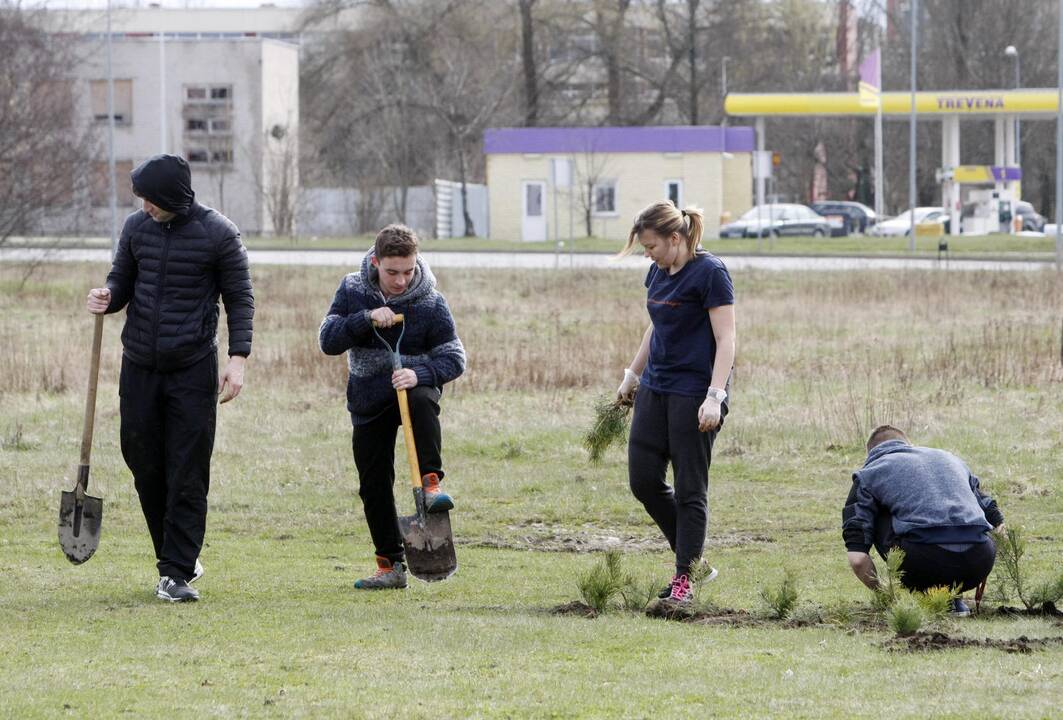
<point>1012,52</point>
<point>723,74</point>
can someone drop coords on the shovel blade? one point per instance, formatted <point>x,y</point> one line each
<point>429,545</point>
<point>79,526</point>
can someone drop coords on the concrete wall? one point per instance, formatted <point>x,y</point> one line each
<point>641,179</point>
<point>159,77</point>
<point>278,153</point>
<point>737,184</point>
<point>333,212</point>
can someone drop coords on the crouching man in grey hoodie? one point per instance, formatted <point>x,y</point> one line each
<point>927,503</point>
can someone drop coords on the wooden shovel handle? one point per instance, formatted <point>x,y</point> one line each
<point>411,447</point>
<point>90,400</point>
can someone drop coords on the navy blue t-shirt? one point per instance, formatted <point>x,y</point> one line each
<point>683,348</point>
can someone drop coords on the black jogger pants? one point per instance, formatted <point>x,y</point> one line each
<point>664,430</point>
<point>167,435</point>
<point>926,565</point>
<point>373,444</point>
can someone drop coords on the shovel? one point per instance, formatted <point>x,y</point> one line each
<point>427,537</point>
<point>80,514</point>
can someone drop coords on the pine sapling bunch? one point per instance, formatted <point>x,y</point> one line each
<point>609,427</point>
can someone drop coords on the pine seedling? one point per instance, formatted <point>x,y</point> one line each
<point>889,587</point>
<point>699,571</point>
<point>905,616</point>
<point>601,583</point>
<point>937,602</point>
<point>637,593</point>
<point>1049,592</point>
<point>783,598</point>
<point>1010,549</point>
<point>609,428</point>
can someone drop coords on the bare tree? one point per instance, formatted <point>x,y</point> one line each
<point>45,155</point>
<point>528,62</point>
<point>279,184</point>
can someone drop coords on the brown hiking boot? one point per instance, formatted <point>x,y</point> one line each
<point>435,499</point>
<point>388,576</point>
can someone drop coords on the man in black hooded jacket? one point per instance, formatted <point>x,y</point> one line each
<point>174,259</point>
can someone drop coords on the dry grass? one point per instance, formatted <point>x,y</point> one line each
<point>832,353</point>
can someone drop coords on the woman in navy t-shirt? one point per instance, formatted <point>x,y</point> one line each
<point>682,372</point>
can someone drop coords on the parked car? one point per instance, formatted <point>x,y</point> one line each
<point>775,220</point>
<point>1031,219</point>
<point>902,224</point>
<point>845,216</point>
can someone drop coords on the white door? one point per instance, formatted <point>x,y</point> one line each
<point>533,213</point>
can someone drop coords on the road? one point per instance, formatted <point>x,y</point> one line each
<point>507,260</point>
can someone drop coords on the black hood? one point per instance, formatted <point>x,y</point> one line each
<point>166,182</point>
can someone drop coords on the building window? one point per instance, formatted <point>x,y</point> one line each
<point>123,101</point>
<point>197,155</point>
<point>673,190</point>
<point>195,125</point>
<point>100,184</point>
<point>208,93</point>
<point>218,125</point>
<point>604,193</point>
<point>533,200</point>
<point>221,157</point>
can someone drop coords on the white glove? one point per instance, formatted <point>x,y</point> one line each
<point>626,391</point>
<point>709,412</point>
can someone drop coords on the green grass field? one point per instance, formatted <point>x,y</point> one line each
<point>982,246</point>
<point>1006,247</point>
<point>966,361</point>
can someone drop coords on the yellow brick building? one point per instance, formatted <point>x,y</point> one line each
<point>555,183</point>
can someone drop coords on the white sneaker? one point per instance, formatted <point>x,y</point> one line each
<point>198,572</point>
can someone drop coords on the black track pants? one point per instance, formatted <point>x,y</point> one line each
<point>374,457</point>
<point>664,430</point>
<point>926,566</point>
<point>167,434</point>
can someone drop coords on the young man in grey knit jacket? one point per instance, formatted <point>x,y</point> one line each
<point>394,279</point>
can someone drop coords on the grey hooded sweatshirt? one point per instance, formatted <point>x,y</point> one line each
<point>931,496</point>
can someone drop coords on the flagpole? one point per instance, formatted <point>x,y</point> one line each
<point>880,190</point>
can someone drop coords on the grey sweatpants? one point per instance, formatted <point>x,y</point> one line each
<point>664,430</point>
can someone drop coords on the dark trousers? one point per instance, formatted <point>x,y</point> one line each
<point>664,430</point>
<point>374,457</point>
<point>167,434</point>
<point>926,565</point>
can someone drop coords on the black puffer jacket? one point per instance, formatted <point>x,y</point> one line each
<point>171,274</point>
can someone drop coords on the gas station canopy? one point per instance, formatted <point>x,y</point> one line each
<point>1016,103</point>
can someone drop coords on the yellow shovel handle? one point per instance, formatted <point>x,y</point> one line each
<point>411,448</point>
<point>398,318</point>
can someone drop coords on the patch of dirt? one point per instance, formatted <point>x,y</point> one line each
<point>667,610</point>
<point>941,641</point>
<point>544,537</point>
<point>1046,610</point>
<point>580,609</point>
